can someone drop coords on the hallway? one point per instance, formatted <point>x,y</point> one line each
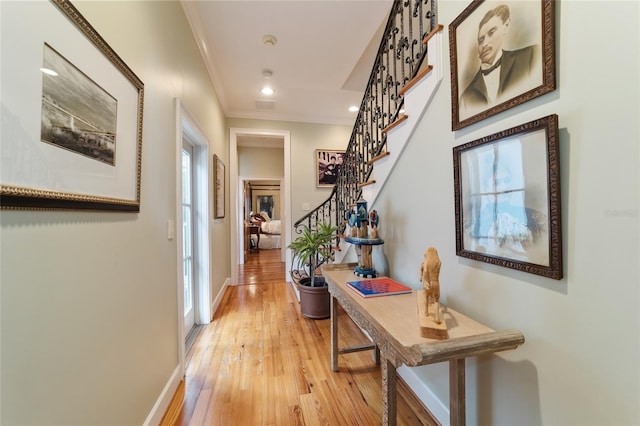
<point>260,362</point>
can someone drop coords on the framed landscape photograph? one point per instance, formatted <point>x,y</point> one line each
<point>218,187</point>
<point>72,129</point>
<point>507,198</point>
<point>502,55</point>
<point>328,163</point>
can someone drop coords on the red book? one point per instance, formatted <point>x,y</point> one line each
<point>383,286</point>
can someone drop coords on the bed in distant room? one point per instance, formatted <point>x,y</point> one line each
<point>270,230</point>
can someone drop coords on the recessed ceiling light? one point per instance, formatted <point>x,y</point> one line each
<point>267,91</point>
<point>353,108</point>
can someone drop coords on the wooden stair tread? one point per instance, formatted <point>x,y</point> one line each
<point>433,32</point>
<point>371,182</point>
<point>415,79</point>
<point>400,119</point>
<point>379,157</point>
<point>426,69</point>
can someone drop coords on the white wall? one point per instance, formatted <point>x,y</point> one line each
<point>579,364</point>
<point>89,300</point>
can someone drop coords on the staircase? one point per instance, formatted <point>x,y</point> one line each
<point>406,73</point>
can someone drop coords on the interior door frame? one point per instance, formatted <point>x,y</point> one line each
<point>186,125</point>
<point>281,212</point>
<point>237,229</point>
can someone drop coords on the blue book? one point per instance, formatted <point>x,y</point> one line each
<point>383,286</point>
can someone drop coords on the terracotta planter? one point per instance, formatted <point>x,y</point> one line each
<point>315,302</point>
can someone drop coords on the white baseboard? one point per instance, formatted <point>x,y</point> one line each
<point>437,408</point>
<point>218,299</point>
<point>162,403</point>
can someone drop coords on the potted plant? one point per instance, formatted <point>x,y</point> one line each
<point>310,250</point>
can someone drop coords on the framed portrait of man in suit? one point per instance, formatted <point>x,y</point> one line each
<point>502,55</point>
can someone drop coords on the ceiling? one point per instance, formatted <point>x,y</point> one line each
<point>321,60</point>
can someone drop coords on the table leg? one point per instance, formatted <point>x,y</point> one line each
<point>457,400</point>
<point>334,334</point>
<point>389,393</point>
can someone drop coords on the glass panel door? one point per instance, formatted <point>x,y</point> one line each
<point>187,232</point>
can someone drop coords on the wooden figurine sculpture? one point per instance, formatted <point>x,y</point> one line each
<point>431,321</point>
<point>430,275</point>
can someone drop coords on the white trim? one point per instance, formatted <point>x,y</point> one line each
<point>282,213</point>
<point>218,300</point>
<point>187,125</point>
<point>237,227</point>
<point>178,234</point>
<point>162,403</point>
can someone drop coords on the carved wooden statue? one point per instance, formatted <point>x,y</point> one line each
<point>430,277</point>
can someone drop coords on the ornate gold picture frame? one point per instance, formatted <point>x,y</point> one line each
<point>93,160</point>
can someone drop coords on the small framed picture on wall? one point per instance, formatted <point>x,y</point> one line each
<point>218,188</point>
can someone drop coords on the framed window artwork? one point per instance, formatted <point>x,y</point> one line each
<point>328,163</point>
<point>507,198</point>
<point>218,187</point>
<point>502,55</point>
<point>72,128</point>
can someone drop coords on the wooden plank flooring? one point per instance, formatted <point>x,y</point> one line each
<point>260,362</point>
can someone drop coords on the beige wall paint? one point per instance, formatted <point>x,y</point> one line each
<point>261,162</point>
<point>579,364</point>
<point>89,300</point>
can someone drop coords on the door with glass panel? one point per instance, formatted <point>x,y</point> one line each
<point>188,237</point>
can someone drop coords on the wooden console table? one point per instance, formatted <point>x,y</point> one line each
<point>392,322</point>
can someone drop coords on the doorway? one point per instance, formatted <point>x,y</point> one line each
<point>192,233</point>
<point>237,196</point>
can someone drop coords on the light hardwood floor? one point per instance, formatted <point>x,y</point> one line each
<point>260,362</point>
